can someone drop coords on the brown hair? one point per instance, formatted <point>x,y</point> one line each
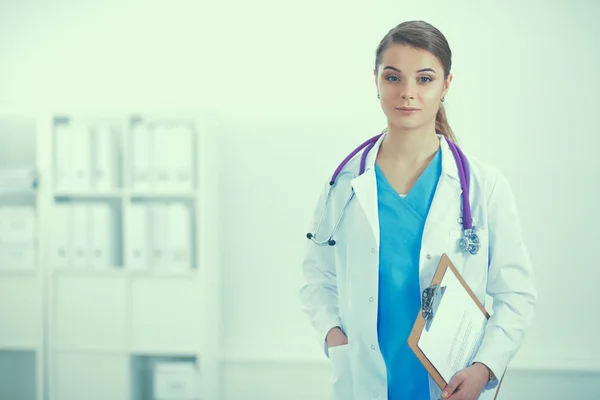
<point>424,36</point>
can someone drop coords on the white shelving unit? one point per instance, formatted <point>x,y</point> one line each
<point>127,267</point>
<point>21,283</point>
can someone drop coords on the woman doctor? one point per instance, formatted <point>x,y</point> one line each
<point>363,294</point>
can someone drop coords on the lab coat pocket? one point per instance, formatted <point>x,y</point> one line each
<point>342,374</point>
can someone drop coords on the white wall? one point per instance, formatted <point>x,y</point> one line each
<point>293,86</point>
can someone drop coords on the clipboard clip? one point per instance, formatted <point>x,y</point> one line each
<point>430,299</point>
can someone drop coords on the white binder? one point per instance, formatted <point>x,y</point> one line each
<point>103,158</point>
<point>159,235</point>
<point>137,231</point>
<point>81,157</point>
<point>181,158</point>
<point>81,235</point>
<point>61,234</point>
<point>162,174</point>
<point>180,244</point>
<point>16,256</point>
<point>17,224</point>
<point>102,235</point>
<point>18,181</point>
<point>141,140</point>
<point>63,157</point>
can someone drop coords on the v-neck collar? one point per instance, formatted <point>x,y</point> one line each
<point>407,196</point>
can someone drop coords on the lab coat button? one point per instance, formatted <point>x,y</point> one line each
<point>372,347</point>
<point>373,250</point>
<point>428,256</point>
<point>371,299</point>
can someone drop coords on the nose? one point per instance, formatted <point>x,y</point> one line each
<point>407,91</point>
<point>407,94</point>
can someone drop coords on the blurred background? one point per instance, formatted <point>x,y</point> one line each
<point>160,161</point>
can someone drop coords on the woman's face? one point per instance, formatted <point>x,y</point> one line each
<point>410,78</point>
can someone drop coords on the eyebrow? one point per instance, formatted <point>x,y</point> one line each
<point>421,70</point>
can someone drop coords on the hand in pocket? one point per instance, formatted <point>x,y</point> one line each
<point>336,337</point>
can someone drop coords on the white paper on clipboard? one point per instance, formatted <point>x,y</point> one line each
<point>456,331</point>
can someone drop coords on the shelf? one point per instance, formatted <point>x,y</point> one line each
<point>19,271</point>
<point>151,273</point>
<point>18,348</point>
<point>147,352</point>
<point>117,194</point>
<point>184,195</point>
<point>119,272</point>
<point>91,351</point>
<point>132,352</point>
<point>108,272</point>
<point>89,195</point>
<point>120,268</point>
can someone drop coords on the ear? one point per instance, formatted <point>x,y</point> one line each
<point>376,83</point>
<point>447,85</point>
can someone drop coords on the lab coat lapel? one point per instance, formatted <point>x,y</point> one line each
<point>448,191</point>
<point>365,190</point>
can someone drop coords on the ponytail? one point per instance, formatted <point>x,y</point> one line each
<point>442,126</point>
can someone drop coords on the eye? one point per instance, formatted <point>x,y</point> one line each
<point>425,79</point>
<point>392,78</point>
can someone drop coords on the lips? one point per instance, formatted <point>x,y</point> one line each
<point>407,109</point>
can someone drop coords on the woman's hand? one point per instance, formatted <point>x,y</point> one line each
<point>467,384</point>
<point>336,337</point>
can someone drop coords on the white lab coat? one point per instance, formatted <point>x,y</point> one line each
<point>341,282</point>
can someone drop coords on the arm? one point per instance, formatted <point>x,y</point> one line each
<point>318,294</point>
<point>511,283</point>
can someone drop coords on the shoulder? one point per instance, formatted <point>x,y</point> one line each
<point>348,167</point>
<point>485,176</point>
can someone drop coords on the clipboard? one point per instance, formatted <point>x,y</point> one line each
<point>420,323</point>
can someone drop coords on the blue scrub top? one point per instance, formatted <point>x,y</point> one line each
<point>401,224</point>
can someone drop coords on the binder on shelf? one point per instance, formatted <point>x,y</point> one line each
<point>17,256</point>
<point>181,160</point>
<point>81,234</point>
<point>159,235</point>
<point>103,158</point>
<point>17,225</point>
<point>63,157</point>
<point>102,240</point>
<point>179,236</point>
<point>161,177</point>
<point>61,234</point>
<point>137,237</point>
<point>18,181</point>
<point>141,140</point>
<point>81,157</point>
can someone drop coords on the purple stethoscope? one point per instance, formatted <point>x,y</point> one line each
<point>469,241</point>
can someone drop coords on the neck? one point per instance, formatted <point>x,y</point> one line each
<point>410,146</point>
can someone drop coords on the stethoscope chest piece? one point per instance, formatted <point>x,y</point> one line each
<point>470,242</point>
